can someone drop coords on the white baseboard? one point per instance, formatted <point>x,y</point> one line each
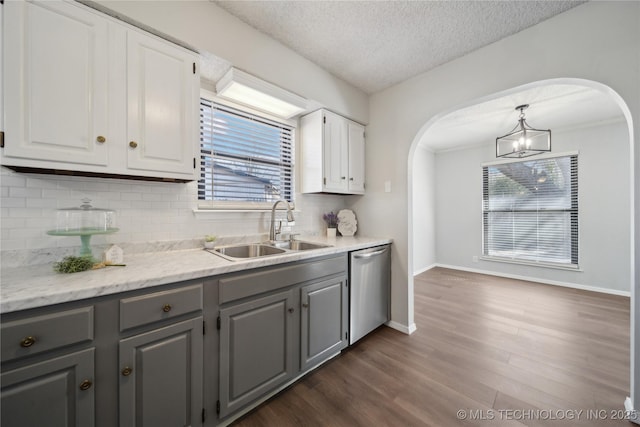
<point>422,270</point>
<point>402,328</point>
<point>631,413</point>
<point>538,280</point>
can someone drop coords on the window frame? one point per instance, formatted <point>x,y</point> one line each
<point>204,206</point>
<point>547,264</point>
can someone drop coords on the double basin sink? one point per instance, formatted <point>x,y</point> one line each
<point>257,250</point>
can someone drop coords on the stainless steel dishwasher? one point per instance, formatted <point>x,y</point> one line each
<point>370,283</point>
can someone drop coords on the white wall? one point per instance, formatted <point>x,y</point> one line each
<point>424,219</point>
<point>207,27</point>
<point>597,41</point>
<point>604,186</point>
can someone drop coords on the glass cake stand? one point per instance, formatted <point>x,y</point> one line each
<point>85,236</point>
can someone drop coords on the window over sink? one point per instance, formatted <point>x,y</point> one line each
<point>246,160</point>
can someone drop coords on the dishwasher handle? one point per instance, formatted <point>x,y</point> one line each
<point>370,254</point>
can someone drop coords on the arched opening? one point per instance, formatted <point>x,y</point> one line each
<point>579,112</point>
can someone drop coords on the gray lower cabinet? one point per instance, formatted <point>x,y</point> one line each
<point>324,321</point>
<point>256,348</point>
<point>56,392</point>
<point>277,324</point>
<point>161,376</point>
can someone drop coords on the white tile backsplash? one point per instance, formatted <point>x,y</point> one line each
<point>146,212</point>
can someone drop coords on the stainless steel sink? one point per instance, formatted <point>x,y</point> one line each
<point>257,250</point>
<point>242,251</point>
<point>299,245</point>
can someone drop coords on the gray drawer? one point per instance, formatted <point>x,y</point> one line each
<point>47,332</point>
<point>145,309</point>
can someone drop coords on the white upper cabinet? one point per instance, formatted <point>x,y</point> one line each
<point>332,154</point>
<point>161,98</point>
<point>55,80</point>
<point>87,93</point>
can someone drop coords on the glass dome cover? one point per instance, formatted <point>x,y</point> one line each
<point>85,218</point>
<point>84,221</point>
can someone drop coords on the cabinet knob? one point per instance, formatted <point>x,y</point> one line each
<point>291,310</point>
<point>166,308</point>
<point>27,342</point>
<point>126,371</point>
<point>133,144</point>
<point>305,305</point>
<point>101,139</point>
<point>343,177</point>
<point>85,385</point>
<point>351,179</point>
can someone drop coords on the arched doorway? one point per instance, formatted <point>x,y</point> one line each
<point>561,104</point>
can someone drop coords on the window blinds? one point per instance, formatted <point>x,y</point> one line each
<point>243,157</point>
<point>530,210</point>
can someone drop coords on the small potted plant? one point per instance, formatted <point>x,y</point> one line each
<point>209,241</point>
<point>332,222</point>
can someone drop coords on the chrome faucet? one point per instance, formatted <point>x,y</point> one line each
<point>272,228</point>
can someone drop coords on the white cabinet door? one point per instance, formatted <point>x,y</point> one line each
<point>336,154</point>
<point>356,158</point>
<point>55,82</point>
<point>161,106</point>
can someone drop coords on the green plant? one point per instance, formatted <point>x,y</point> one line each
<point>210,238</point>
<point>74,264</point>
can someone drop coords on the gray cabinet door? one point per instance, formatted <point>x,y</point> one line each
<point>54,393</point>
<point>324,321</point>
<point>256,348</point>
<point>161,377</point>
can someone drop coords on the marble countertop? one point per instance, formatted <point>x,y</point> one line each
<point>37,286</point>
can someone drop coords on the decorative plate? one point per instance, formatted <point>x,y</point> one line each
<point>347,225</point>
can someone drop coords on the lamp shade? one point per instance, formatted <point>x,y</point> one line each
<point>243,88</point>
<point>523,140</point>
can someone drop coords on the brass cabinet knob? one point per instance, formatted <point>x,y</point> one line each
<point>126,371</point>
<point>85,385</point>
<point>27,342</point>
<point>305,305</point>
<point>166,308</point>
<point>101,139</point>
<point>133,144</point>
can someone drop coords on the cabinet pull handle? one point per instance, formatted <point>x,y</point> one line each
<point>305,305</point>
<point>291,310</point>
<point>101,139</point>
<point>126,371</point>
<point>166,308</point>
<point>27,342</point>
<point>85,385</point>
<point>133,144</point>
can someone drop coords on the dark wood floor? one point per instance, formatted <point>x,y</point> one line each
<point>502,351</point>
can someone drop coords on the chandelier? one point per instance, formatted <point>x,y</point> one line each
<point>523,140</point>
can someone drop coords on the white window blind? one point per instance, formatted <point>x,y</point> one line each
<point>243,157</point>
<point>530,211</point>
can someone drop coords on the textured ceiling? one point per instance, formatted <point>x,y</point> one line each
<point>375,44</point>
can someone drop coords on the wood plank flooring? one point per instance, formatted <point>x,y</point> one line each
<point>504,352</point>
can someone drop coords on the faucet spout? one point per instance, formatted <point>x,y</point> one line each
<point>290,218</point>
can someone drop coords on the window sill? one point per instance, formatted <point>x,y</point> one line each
<point>531,263</point>
<point>214,211</point>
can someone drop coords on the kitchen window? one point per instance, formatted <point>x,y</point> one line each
<point>246,160</point>
<point>530,211</point>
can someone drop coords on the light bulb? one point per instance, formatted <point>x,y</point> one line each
<point>528,143</point>
<point>521,141</point>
